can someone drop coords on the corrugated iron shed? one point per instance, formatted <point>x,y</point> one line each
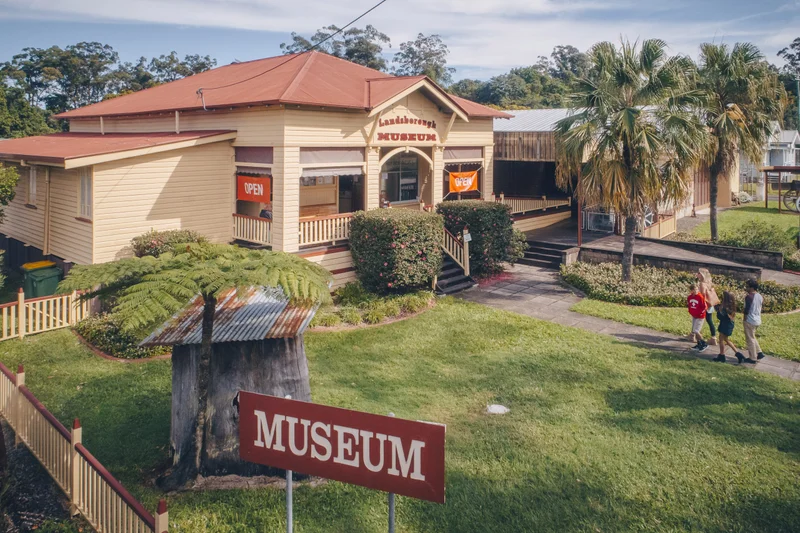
<point>254,314</point>
<point>532,120</point>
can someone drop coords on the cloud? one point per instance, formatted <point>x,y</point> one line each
<point>485,38</point>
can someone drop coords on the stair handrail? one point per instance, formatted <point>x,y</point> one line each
<point>457,249</point>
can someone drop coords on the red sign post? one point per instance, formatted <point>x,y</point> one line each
<point>379,452</point>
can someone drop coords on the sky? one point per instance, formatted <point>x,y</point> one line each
<point>485,38</point>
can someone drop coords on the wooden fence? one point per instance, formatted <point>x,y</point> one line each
<point>457,249</point>
<point>328,229</point>
<point>665,226</point>
<point>524,205</point>
<point>252,229</point>
<point>91,490</point>
<point>37,315</point>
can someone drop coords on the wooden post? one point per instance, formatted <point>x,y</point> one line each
<point>19,382</point>
<point>580,211</point>
<point>502,197</point>
<point>493,197</point>
<point>466,251</point>
<point>73,308</point>
<point>21,313</point>
<point>766,190</point>
<point>162,517</point>
<point>779,192</point>
<point>76,437</point>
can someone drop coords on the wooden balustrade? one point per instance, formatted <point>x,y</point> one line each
<point>524,205</point>
<point>330,229</point>
<point>37,315</point>
<point>665,226</point>
<point>457,249</point>
<point>252,229</point>
<point>91,489</point>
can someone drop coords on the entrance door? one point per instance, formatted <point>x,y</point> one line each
<point>400,179</point>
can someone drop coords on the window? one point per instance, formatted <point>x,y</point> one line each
<point>85,199</point>
<point>399,180</point>
<point>31,198</point>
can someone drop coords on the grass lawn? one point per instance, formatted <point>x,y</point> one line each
<point>602,436</point>
<point>733,218</point>
<point>779,335</point>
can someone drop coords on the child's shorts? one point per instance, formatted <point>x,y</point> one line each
<point>697,324</point>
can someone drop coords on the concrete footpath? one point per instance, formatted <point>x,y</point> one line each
<point>538,293</point>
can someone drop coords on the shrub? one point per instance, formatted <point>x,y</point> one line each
<point>658,287</point>
<point>374,316</point>
<point>413,303</point>
<point>494,239</point>
<point>759,236</point>
<point>104,332</point>
<point>156,243</point>
<point>396,250</point>
<point>326,318</point>
<point>353,294</point>
<point>350,315</point>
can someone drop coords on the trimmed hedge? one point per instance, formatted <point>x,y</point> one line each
<point>660,287</point>
<point>396,250</point>
<point>104,332</point>
<point>156,243</point>
<point>494,239</point>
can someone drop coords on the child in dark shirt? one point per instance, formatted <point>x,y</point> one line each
<point>726,313</point>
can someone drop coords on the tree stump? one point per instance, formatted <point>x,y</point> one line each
<point>271,366</point>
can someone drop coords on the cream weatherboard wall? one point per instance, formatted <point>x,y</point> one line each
<point>70,238</point>
<point>338,262</point>
<point>255,127</point>
<point>190,188</point>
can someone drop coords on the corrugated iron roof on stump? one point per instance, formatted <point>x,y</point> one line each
<point>259,313</point>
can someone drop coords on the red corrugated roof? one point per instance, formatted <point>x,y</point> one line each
<point>59,147</point>
<point>310,78</point>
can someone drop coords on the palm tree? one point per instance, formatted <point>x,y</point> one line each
<point>632,137</point>
<point>149,290</point>
<point>742,95</point>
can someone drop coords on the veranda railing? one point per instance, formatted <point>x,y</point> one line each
<point>457,249</point>
<point>524,205</point>
<point>91,489</point>
<point>252,229</point>
<point>328,229</point>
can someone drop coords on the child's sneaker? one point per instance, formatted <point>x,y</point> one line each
<point>720,358</point>
<point>760,356</point>
<point>703,347</point>
<point>739,357</point>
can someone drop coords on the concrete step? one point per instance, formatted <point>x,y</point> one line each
<point>451,289</point>
<point>549,245</point>
<point>543,254</point>
<point>542,263</point>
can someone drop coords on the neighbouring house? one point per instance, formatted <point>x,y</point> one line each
<point>276,152</point>
<point>524,166</point>
<point>781,150</point>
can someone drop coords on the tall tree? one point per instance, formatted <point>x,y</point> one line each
<point>426,55</point>
<point>33,71</point>
<point>790,77</point>
<point>361,46</point>
<point>633,137</point>
<point>167,68</point>
<point>131,77</point>
<point>8,186</point>
<point>18,117</point>
<point>742,96</point>
<point>150,290</point>
<point>568,62</point>
<point>82,75</point>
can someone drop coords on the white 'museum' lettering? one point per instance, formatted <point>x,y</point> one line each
<point>353,447</point>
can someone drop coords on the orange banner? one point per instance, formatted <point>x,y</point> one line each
<point>464,181</point>
<point>253,189</point>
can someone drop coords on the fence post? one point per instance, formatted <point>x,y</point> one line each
<point>466,251</point>
<point>502,197</point>
<point>162,517</point>
<point>73,308</point>
<point>76,437</point>
<point>19,382</point>
<point>21,313</point>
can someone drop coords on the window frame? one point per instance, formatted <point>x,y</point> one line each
<point>30,194</point>
<point>86,210</point>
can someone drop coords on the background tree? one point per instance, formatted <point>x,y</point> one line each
<point>167,68</point>
<point>741,97</point>
<point>633,135</point>
<point>426,55</point>
<point>131,77</point>
<point>361,46</point>
<point>81,75</point>
<point>18,118</point>
<point>8,185</point>
<point>789,75</point>
<point>149,290</point>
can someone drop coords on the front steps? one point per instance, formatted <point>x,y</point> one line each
<point>544,254</point>
<point>452,279</point>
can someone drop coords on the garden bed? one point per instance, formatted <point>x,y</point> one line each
<point>658,287</point>
<point>104,336</point>
<point>354,306</point>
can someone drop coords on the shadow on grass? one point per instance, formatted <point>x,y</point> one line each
<point>729,404</point>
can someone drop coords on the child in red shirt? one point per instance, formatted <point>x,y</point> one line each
<point>697,308</point>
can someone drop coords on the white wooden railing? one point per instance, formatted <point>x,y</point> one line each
<point>37,315</point>
<point>252,229</point>
<point>457,249</point>
<point>523,205</point>
<point>91,490</point>
<point>329,229</point>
